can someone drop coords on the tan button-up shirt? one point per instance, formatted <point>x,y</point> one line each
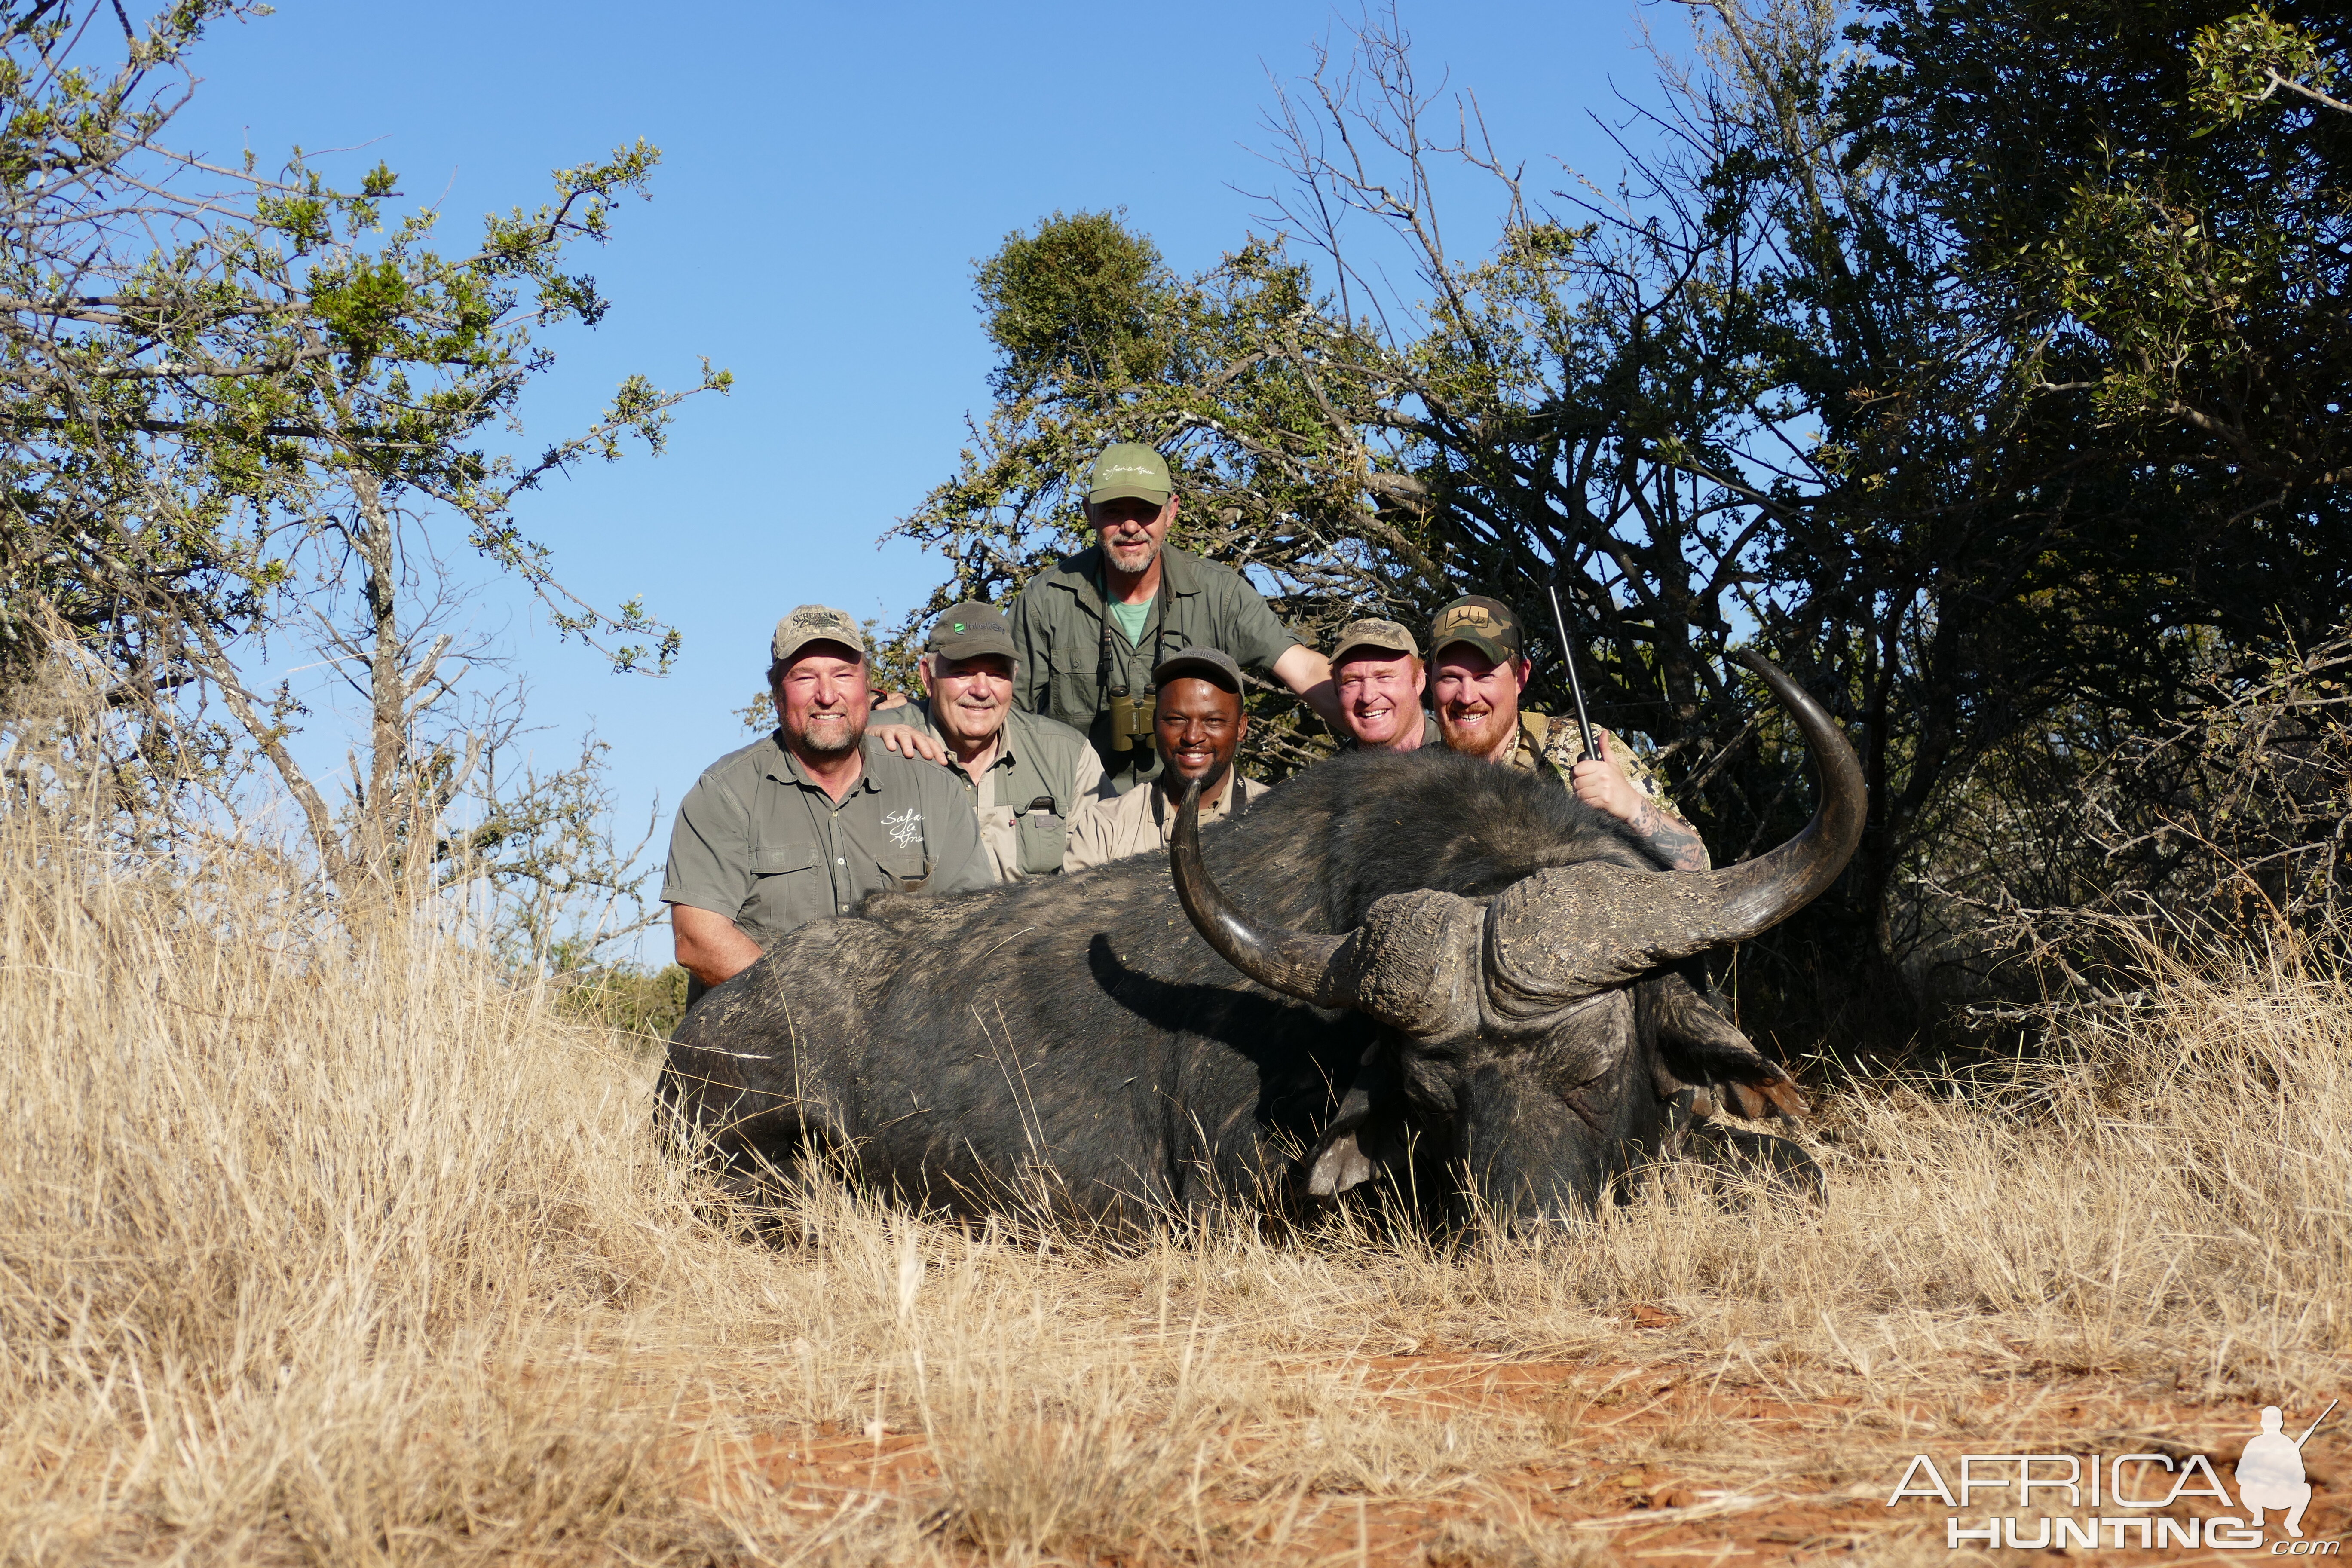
<point>1141,822</point>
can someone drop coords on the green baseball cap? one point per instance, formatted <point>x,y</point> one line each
<point>970,629</point>
<point>1374,635</point>
<point>1486,625</point>
<point>815,623</point>
<point>1129,469</point>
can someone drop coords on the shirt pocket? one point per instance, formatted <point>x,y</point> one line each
<point>1041,836</point>
<point>790,887</point>
<point>783,859</point>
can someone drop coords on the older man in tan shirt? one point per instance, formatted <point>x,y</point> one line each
<point>1197,723</point>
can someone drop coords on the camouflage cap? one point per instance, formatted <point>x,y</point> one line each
<point>1129,469</point>
<point>1214,665</point>
<point>1486,625</point>
<point>969,630</point>
<point>814,623</point>
<point>1374,635</point>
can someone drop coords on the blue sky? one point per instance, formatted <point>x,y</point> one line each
<point>828,176</point>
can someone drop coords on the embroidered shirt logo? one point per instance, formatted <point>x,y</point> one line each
<point>906,826</point>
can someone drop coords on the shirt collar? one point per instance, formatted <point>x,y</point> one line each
<point>785,768</point>
<point>1004,758</point>
<point>1163,804</point>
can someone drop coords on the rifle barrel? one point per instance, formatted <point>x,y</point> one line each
<point>1575,687</point>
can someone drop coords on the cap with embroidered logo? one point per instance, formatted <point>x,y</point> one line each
<point>1374,635</point>
<point>815,623</point>
<point>1129,469</point>
<point>969,630</point>
<point>1486,625</point>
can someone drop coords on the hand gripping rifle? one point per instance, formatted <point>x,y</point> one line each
<point>1567,658</point>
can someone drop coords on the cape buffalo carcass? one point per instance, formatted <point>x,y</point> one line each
<point>1416,966</point>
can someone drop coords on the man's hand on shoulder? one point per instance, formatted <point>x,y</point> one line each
<point>907,740</point>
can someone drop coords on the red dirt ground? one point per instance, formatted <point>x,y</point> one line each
<point>1674,1457</point>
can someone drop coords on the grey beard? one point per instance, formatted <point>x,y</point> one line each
<point>825,751</point>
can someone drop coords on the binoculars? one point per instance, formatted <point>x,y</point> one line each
<point>1130,720</point>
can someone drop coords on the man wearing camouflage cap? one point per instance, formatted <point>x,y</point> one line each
<point>1197,725</point>
<point>1024,773</point>
<point>1377,672</point>
<point>803,823</point>
<point>1478,669</point>
<point>1089,631</point>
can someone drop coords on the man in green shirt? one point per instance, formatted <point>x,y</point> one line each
<point>803,823</point>
<point>1025,774</point>
<point>1089,632</point>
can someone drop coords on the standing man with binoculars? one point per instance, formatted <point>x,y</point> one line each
<point>1090,631</point>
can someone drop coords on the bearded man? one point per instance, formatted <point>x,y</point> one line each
<point>1479,668</point>
<point>803,823</point>
<point>1091,630</point>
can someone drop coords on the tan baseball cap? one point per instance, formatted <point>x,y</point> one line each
<point>815,623</point>
<point>1374,635</point>
<point>970,629</point>
<point>1129,469</point>
<point>1486,625</point>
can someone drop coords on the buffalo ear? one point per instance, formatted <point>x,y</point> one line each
<point>1357,1140</point>
<point>1699,1047</point>
<point>1338,1162</point>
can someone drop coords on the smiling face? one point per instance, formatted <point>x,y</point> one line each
<point>822,697</point>
<point>969,697</point>
<point>1199,724</point>
<point>1379,698</point>
<point>1132,532</point>
<point>1477,700</point>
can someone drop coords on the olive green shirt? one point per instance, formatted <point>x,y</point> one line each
<point>1037,760</point>
<point>761,842</point>
<point>1057,631</point>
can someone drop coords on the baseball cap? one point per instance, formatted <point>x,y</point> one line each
<point>814,623</point>
<point>1486,625</point>
<point>1211,664</point>
<point>1129,469</point>
<point>1374,635</point>
<point>970,629</point>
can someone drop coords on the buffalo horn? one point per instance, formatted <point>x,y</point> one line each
<point>1579,929</point>
<point>1296,964</point>
<point>1412,964</point>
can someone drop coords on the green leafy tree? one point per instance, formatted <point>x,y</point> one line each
<point>1792,384</point>
<point>246,414</point>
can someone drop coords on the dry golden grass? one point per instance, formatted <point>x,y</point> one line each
<point>347,1251</point>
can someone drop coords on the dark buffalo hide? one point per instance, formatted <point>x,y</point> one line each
<point>1074,1045</point>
